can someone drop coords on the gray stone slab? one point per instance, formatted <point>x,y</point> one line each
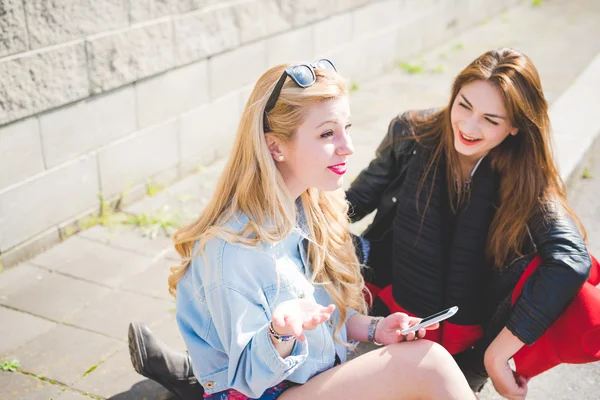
<point>224,72</point>
<point>153,282</point>
<point>347,60</point>
<point>583,198</point>
<point>360,59</point>
<point>51,22</point>
<point>197,4</point>
<point>179,209</point>
<point>576,123</point>
<point>383,48</point>
<point>185,199</point>
<point>541,39</point>
<point>332,33</point>
<point>20,151</point>
<point>16,385</point>
<point>444,24</point>
<point>172,93</point>
<point>135,159</point>
<point>168,332</point>
<point>411,37</point>
<point>118,58</point>
<point>65,353</point>
<point>279,50</point>
<point>129,238</point>
<point>51,295</point>
<point>116,379</point>
<point>67,394</point>
<point>34,82</point>
<point>13,28</point>
<point>259,18</point>
<point>111,314</point>
<point>87,125</point>
<point>1,233</point>
<point>29,248</point>
<point>172,255</point>
<point>347,5</point>
<point>18,328</point>
<point>245,93</point>
<point>143,10</point>
<point>300,13</point>
<point>201,186</point>
<point>93,261</point>
<point>378,15</point>
<point>205,32</point>
<point>208,131</point>
<point>24,216</point>
<point>14,279</point>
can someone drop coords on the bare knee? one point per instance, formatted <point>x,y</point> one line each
<point>428,358</point>
<point>438,354</point>
<point>446,378</point>
<point>434,369</point>
<point>419,351</point>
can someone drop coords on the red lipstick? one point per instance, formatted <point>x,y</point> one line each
<point>463,139</point>
<point>339,169</point>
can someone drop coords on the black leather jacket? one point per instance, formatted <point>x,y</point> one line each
<point>554,236</point>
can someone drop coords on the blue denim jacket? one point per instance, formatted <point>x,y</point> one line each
<point>224,303</point>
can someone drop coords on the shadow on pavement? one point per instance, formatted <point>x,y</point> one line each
<point>145,390</point>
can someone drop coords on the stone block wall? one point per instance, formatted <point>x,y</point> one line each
<point>99,97</point>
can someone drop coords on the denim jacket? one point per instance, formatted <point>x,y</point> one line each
<point>225,301</point>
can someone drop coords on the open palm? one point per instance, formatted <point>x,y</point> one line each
<point>293,317</point>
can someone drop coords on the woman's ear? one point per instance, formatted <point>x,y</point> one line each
<point>514,131</point>
<point>275,147</point>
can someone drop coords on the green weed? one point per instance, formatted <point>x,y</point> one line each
<point>586,174</point>
<point>152,188</point>
<point>11,366</point>
<point>412,68</point>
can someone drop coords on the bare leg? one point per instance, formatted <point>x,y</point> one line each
<point>410,370</point>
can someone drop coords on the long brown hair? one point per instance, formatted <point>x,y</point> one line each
<point>252,184</point>
<point>529,179</point>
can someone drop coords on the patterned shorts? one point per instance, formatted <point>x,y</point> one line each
<point>269,394</point>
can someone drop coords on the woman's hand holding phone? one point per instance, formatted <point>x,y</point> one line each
<point>389,329</point>
<point>400,327</point>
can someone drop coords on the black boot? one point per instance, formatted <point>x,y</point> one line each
<point>153,359</point>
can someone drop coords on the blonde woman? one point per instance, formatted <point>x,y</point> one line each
<point>270,292</point>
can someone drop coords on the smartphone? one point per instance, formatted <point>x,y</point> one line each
<point>432,319</point>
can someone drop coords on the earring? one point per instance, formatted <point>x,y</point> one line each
<point>280,158</point>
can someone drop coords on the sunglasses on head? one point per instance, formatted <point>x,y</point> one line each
<point>303,75</point>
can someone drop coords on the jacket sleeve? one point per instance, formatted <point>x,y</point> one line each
<point>241,324</point>
<point>366,190</point>
<point>550,289</point>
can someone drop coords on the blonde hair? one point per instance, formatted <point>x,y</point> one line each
<point>251,184</point>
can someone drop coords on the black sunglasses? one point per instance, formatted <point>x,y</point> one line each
<point>303,75</point>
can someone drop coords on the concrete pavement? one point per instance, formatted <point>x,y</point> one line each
<point>65,313</point>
